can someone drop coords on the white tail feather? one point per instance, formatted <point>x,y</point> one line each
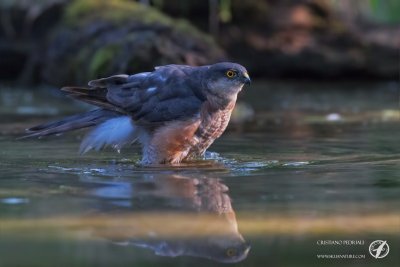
<point>116,132</point>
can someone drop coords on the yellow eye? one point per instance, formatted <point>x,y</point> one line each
<point>230,74</point>
<point>230,252</point>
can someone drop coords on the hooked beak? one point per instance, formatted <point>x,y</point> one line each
<point>246,78</point>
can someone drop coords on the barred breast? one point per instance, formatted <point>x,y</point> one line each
<point>212,124</point>
<point>182,140</point>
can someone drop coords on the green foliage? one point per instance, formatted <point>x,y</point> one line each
<point>225,13</point>
<point>374,4</point>
<point>117,11</point>
<point>101,59</point>
<point>387,11</point>
<point>112,10</point>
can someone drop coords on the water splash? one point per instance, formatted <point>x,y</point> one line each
<point>296,164</point>
<point>212,162</point>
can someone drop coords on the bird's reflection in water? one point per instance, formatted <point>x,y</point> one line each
<point>174,216</point>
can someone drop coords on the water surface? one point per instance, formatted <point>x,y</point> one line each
<point>301,162</point>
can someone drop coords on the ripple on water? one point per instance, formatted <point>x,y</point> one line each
<point>213,162</point>
<point>249,167</point>
<point>296,164</point>
<point>14,200</point>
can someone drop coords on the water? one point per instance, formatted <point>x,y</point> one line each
<point>301,163</point>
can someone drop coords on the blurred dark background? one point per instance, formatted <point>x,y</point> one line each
<point>60,42</point>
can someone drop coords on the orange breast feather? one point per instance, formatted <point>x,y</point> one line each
<point>174,140</point>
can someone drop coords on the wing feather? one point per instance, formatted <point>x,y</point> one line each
<point>152,97</point>
<point>112,80</point>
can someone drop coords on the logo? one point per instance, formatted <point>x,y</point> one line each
<point>379,249</point>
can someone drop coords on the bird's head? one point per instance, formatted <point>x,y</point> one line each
<point>225,80</point>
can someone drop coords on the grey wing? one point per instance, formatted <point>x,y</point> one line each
<point>151,97</point>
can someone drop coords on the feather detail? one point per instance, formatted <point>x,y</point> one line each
<point>95,96</point>
<point>70,123</point>
<point>115,132</point>
<point>113,80</point>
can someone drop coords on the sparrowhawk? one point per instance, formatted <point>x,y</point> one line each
<point>175,112</point>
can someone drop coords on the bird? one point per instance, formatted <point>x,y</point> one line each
<point>175,111</point>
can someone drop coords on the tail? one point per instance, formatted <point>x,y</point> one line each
<point>71,123</point>
<point>112,129</point>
